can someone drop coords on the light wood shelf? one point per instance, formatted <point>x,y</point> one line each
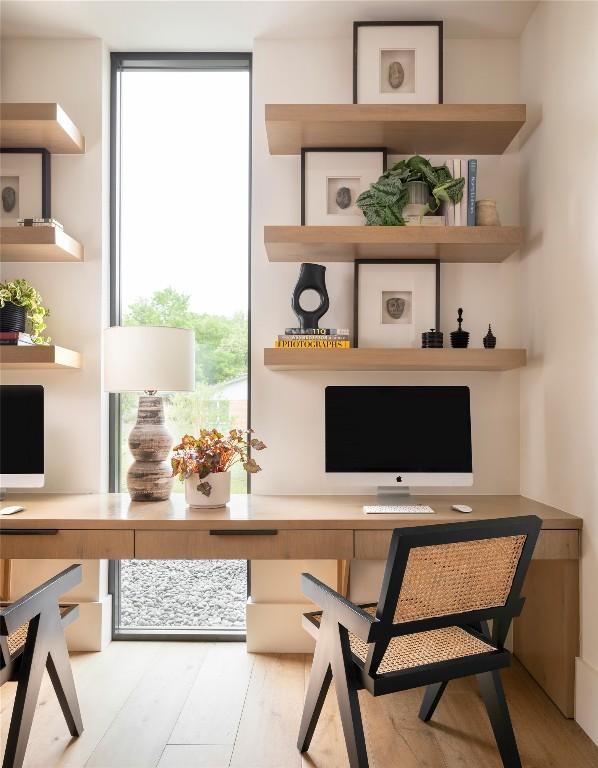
<point>38,356</point>
<point>48,126</point>
<point>364,359</point>
<point>450,244</point>
<point>474,129</point>
<point>38,244</point>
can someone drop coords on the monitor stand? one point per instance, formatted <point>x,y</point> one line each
<point>393,492</point>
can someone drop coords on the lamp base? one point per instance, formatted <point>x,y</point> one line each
<point>150,476</point>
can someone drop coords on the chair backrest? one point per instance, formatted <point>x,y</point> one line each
<point>456,574</point>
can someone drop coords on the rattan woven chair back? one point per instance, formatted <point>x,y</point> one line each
<point>446,575</point>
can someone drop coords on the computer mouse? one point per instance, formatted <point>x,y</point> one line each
<point>11,510</point>
<point>463,508</point>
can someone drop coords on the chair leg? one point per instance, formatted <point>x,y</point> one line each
<point>498,712</point>
<point>430,701</point>
<point>30,677</point>
<point>319,683</point>
<point>348,701</point>
<point>61,674</point>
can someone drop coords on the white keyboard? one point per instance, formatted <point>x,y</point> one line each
<point>398,509</point>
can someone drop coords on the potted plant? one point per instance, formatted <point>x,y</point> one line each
<point>20,304</point>
<point>204,464</point>
<point>383,204</point>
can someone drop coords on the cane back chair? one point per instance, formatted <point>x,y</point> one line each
<point>441,586</point>
<point>31,640</point>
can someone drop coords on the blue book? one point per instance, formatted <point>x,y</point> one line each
<point>472,175</point>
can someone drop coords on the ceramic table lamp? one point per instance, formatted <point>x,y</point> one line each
<point>149,359</point>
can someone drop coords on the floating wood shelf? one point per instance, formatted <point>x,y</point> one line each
<point>450,244</point>
<point>456,129</point>
<point>39,125</point>
<point>38,244</point>
<point>363,359</point>
<point>38,356</point>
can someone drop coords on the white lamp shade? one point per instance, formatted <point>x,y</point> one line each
<point>145,358</point>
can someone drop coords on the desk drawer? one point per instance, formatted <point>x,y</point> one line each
<point>552,545</point>
<point>49,543</point>
<point>244,544</point>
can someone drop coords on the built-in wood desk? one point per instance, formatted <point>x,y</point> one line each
<point>310,527</point>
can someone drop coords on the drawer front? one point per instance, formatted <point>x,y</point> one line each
<point>267,544</point>
<point>66,544</point>
<point>551,545</point>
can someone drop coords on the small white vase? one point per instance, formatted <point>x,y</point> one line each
<point>219,495</point>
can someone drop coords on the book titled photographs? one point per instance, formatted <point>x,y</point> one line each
<point>314,338</point>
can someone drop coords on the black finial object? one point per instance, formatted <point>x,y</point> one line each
<point>460,338</point>
<point>489,339</point>
<point>311,277</point>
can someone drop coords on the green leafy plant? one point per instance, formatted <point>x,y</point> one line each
<point>213,452</point>
<point>383,203</point>
<point>23,294</point>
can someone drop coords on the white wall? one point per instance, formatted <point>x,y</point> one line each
<point>559,200</point>
<point>287,407</point>
<point>73,73</point>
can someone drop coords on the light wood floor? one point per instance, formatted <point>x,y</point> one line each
<point>200,705</point>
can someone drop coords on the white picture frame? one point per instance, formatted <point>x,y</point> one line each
<point>413,49</point>
<point>326,171</point>
<point>23,173</point>
<point>395,302</point>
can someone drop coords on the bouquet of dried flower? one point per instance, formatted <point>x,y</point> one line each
<point>214,452</point>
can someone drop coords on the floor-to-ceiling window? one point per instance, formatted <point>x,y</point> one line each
<point>180,257</point>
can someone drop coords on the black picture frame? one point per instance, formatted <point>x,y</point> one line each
<point>304,150</point>
<point>46,179</point>
<point>359,262</point>
<point>438,24</point>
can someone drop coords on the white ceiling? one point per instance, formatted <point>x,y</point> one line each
<point>234,24</point>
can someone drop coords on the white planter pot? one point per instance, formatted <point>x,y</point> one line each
<point>219,495</point>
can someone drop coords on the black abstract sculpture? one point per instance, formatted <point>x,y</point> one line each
<point>459,338</point>
<point>489,339</point>
<point>311,277</point>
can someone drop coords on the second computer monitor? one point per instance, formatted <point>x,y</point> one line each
<point>400,436</point>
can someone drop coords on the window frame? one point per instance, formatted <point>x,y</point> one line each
<point>148,61</point>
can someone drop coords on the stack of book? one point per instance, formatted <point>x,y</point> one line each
<point>463,214</point>
<point>314,338</point>
<point>15,338</point>
<point>39,223</point>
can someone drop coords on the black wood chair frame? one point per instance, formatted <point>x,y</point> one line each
<point>333,656</point>
<point>44,648</point>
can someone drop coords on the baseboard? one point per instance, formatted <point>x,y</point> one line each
<point>92,631</point>
<point>586,698</point>
<point>276,628</point>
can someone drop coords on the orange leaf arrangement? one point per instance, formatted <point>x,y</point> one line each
<point>214,452</point>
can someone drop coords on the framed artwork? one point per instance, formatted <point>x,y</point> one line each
<point>24,185</point>
<point>397,62</point>
<point>333,179</point>
<point>395,301</point>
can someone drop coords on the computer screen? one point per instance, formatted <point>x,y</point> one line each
<point>21,436</point>
<point>422,431</point>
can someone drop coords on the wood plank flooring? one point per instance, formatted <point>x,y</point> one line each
<point>208,705</point>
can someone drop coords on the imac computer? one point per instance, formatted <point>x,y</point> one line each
<point>396,437</point>
<point>21,436</point>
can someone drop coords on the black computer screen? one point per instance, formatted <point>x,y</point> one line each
<point>398,429</point>
<point>21,430</point>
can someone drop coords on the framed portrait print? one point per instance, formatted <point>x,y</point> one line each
<point>397,62</point>
<point>333,179</point>
<point>395,301</point>
<point>24,185</point>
